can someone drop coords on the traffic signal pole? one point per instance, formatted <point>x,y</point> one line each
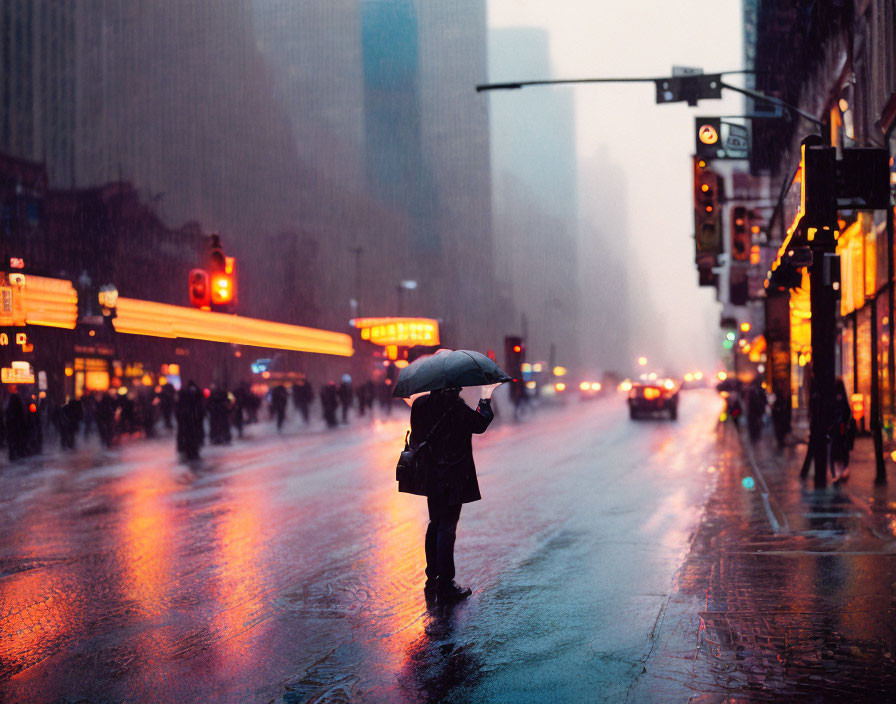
<point>819,227</point>
<point>823,330</point>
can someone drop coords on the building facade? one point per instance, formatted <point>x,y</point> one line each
<point>536,209</point>
<point>837,63</point>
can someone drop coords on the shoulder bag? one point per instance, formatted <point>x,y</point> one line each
<point>412,470</point>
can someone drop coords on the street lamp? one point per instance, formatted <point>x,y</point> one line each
<point>402,286</point>
<point>108,299</point>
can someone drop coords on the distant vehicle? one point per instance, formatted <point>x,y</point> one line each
<point>589,389</point>
<point>694,380</point>
<point>649,398</point>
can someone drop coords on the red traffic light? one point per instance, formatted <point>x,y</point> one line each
<point>222,288</point>
<point>199,288</point>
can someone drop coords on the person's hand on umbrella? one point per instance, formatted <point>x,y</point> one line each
<point>488,389</point>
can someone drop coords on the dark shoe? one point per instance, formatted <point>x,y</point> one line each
<point>453,592</point>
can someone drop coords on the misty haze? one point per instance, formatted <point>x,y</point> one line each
<point>447,350</point>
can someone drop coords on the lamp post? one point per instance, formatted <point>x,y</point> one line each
<point>357,251</point>
<point>108,300</point>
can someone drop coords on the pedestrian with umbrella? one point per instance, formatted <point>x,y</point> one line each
<point>443,425</point>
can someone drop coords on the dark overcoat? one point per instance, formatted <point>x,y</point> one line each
<point>452,478</point>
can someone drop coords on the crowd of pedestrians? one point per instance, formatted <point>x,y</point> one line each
<point>194,415</point>
<point>761,407</point>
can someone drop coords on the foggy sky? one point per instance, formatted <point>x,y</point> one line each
<point>652,144</point>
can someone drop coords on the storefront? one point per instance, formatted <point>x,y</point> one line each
<point>865,310</point>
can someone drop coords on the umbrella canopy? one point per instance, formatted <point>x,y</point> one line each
<point>448,369</point>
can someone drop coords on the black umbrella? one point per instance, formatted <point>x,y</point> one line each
<point>447,369</point>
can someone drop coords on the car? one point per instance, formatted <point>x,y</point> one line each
<point>649,398</point>
<point>589,389</point>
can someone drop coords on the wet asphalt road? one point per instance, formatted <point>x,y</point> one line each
<point>289,569</point>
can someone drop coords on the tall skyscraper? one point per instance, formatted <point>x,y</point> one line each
<point>342,124</point>
<point>313,50</point>
<point>536,183</point>
<point>37,84</point>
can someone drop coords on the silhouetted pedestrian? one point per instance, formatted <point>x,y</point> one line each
<point>447,424</point>
<point>146,411</point>
<point>385,393</point>
<point>218,417</point>
<point>369,390</point>
<point>329,402</point>
<point>190,414</point>
<point>34,427</point>
<point>16,430</point>
<point>88,404</point>
<point>757,402</point>
<point>167,399</point>
<point>302,397</point>
<point>346,396</point>
<point>236,405</point>
<point>69,421</point>
<point>105,419</point>
<point>780,418</point>
<point>279,398</point>
<point>842,432</point>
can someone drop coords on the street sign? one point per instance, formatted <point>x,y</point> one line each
<point>689,88</point>
<point>863,179</point>
<point>737,144</point>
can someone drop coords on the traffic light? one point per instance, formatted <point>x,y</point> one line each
<point>514,356</point>
<point>739,291</point>
<point>216,260</point>
<point>200,295</point>
<point>708,137</point>
<point>729,332</point>
<point>688,88</point>
<point>221,277</point>
<point>706,275</point>
<point>222,289</point>
<point>741,237</point>
<point>706,209</point>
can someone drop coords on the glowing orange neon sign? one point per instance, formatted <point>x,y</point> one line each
<point>404,332</point>
<point>42,301</point>
<point>138,317</point>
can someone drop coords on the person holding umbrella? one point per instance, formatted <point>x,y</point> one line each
<point>447,424</point>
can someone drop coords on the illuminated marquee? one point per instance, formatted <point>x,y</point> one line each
<point>138,317</point>
<point>404,332</point>
<point>38,300</point>
<point>18,373</point>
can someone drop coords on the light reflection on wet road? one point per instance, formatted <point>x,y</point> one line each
<point>290,569</point>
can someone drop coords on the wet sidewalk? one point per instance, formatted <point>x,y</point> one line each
<point>788,593</point>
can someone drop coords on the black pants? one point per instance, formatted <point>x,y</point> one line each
<point>440,535</point>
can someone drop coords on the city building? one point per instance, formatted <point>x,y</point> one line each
<point>835,62</point>
<point>536,209</point>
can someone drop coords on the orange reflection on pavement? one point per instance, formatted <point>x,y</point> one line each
<point>241,538</point>
<point>41,605</point>
<point>38,610</point>
<point>147,538</point>
<point>396,565</point>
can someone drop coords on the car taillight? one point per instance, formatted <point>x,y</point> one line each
<point>651,393</point>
